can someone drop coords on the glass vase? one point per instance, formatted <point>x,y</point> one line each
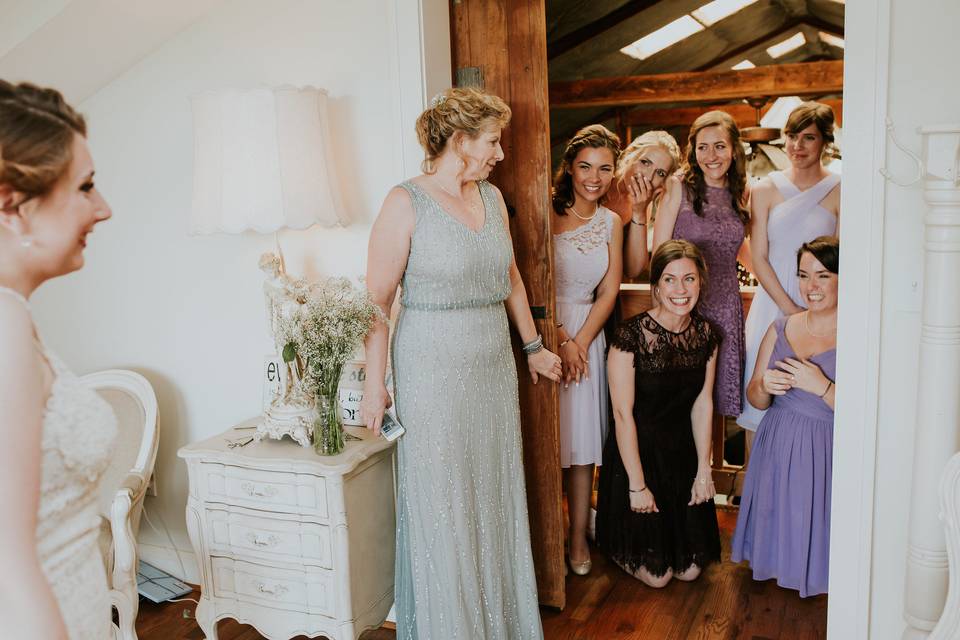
<point>328,437</point>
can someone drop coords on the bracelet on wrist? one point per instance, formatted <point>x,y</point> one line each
<point>640,490</point>
<point>827,390</point>
<point>564,342</point>
<point>639,224</point>
<point>534,346</point>
<point>559,324</point>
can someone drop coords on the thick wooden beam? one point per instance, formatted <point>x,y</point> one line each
<point>588,31</point>
<point>744,114</point>
<point>775,80</point>
<point>507,40</point>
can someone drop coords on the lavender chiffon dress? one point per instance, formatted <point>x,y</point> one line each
<point>783,528</point>
<point>798,219</point>
<point>718,233</point>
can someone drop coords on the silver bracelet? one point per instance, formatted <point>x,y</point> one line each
<point>534,346</point>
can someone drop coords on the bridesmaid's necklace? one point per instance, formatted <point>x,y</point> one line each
<point>806,325</point>
<point>577,213</point>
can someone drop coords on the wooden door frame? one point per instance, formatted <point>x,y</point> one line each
<point>505,44</point>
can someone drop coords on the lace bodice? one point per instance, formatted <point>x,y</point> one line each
<point>657,349</point>
<point>79,429</point>
<point>581,257</point>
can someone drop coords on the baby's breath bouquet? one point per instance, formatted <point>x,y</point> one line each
<point>323,333</point>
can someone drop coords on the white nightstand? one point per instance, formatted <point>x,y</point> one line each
<point>291,542</point>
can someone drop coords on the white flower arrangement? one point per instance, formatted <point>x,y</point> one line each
<point>318,327</point>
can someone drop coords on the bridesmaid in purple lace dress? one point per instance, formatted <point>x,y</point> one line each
<point>705,205</point>
<point>783,528</point>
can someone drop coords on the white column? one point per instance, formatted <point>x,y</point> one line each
<point>938,387</point>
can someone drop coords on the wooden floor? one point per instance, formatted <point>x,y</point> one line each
<point>724,604</point>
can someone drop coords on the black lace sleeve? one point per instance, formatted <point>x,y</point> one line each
<point>628,336</point>
<point>708,336</point>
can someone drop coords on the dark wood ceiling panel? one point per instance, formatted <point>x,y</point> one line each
<point>774,80</point>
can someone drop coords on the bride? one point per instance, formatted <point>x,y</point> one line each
<point>57,434</point>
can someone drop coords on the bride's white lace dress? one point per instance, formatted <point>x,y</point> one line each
<point>79,429</point>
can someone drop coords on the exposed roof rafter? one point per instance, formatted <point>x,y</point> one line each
<point>773,80</point>
<point>591,29</point>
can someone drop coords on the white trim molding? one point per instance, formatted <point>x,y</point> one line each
<point>937,435</point>
<point>866,64</point>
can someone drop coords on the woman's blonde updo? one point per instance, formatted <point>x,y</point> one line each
<point>466,110</point>
<point>643,142</point>
<point>37,128</point>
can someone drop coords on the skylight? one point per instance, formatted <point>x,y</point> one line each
<point>744,64</point>
<point>831,39</point>
<point>717,10</point>
<point>662,38</point>
<point>793,42</point>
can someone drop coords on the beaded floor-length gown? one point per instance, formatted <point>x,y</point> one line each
<point>464,563</point>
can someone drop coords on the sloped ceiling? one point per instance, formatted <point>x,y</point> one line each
<point>584,38</point>
<point>79,46</point>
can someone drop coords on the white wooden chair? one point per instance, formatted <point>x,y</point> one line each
<point>124,486</point>
<point>949,626</point>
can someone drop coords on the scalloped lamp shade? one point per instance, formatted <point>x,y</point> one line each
<point>262,162</point>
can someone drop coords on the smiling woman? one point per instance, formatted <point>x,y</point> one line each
<point>57,433</point>
<point>791,465</point>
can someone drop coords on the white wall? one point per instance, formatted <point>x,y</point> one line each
<point>187,312</point>
<point>922,90</point>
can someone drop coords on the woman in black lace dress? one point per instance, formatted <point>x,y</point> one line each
<point>655,511</point>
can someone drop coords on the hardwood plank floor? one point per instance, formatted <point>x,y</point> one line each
<point>724,604</point>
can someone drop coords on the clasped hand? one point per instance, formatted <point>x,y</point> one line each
<point>791,373</point>
<point>544,363</point>
<point>703,489</point>
<point>574,362</point>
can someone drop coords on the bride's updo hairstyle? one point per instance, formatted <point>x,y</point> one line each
<point>465,110</point>
<point>37,128</point>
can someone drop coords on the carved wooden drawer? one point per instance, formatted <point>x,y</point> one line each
<point>242,533</point>
<point>273,587</point>
<point>291,542</point>
<point>271,490</point>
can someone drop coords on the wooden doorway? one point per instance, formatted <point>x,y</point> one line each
<point>500,45</point>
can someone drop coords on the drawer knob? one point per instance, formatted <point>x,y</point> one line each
<point>276,590</point>
<point>256,492</point>
<point>257,541</point>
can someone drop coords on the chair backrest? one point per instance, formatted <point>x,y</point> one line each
<point>135,405</point>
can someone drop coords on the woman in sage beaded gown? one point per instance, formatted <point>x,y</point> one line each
<point>706,206</point>
<point>57,433</point>
<point>464,567</point>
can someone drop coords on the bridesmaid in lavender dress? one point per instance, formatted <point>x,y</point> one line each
<point>705,206</point>
<point>587,258</point>
<point>783,528</point>
<point>787,209</point>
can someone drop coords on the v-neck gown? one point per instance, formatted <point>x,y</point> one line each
<point>464,568</point>
<point>798,219</point>
<point>783,528</point>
